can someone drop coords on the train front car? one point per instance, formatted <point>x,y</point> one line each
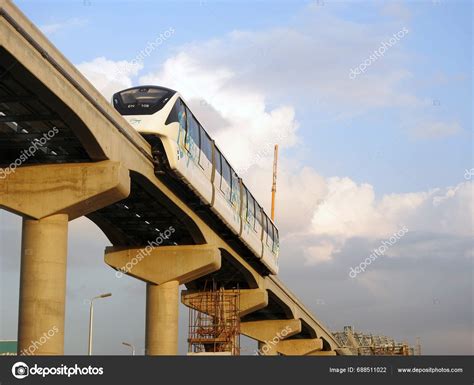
<point>182,146</point>
<point>159,114</point>
<point>147,108</point>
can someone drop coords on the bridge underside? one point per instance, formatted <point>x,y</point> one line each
<point>28,110</point>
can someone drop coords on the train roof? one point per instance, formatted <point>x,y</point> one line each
<point>147,86</point>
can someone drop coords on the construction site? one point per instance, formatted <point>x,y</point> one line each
<point>361,344</point>
<point>214,329</point>
<point>214,323</point>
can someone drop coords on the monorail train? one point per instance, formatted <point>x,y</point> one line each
<point>164,120</point>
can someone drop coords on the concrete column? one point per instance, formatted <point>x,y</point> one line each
<point>161,334</point>
<point>43,286</point>
<point>163,269</point>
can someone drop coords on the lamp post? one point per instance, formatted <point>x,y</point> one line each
<point>91,318</point>
<point>130,346</point>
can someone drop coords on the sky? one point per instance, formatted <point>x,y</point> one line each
<point>371,105</point>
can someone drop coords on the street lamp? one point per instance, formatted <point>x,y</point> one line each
<point>91,318</point>
<point>130,346</point>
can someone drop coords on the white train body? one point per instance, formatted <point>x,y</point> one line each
<point>192,155</point>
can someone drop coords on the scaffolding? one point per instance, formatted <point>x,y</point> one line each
<point>214,323</point>
<point>373,345</point>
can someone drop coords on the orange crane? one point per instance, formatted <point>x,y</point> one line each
<point>275,163</point>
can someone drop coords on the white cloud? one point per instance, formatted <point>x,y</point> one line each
<point>311,62</point>
<point>250,124</point>
<point>109,76</point>
<point>53,28</point>
<point>350,210</point>
<point>322,214</point>
<point>321,252</point>
<point>299,191</point>
<point>428,129</point>
<point>396,10</point>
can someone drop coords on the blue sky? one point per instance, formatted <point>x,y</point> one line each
<point>360,157</point>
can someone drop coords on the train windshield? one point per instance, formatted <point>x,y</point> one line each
<point>141,100</point>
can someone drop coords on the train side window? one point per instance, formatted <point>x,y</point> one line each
<point>218,160</point>
<point>270,234</point>
<point>226,183</point>
<point>177,114</point>
<point>235,194</point>
<point>276,238</point>
<point>267,230</point>
<point>250,210</point>
<point>193,131</point>
<point>206,147</point>
<point>244,204</point>
<point>258,214</point>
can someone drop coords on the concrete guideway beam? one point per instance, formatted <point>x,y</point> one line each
<point>165,263</point>
<point>299,311</point>
<point>75,189</point>
<point>250,300</point>
<point>67,84</point>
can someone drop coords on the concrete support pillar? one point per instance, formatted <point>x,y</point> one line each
<point>161,334</point>
<point>50,195</point>
<point>43,286</point>
<point>164,268</point>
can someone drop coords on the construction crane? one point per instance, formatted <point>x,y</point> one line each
<point>275,163</point>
